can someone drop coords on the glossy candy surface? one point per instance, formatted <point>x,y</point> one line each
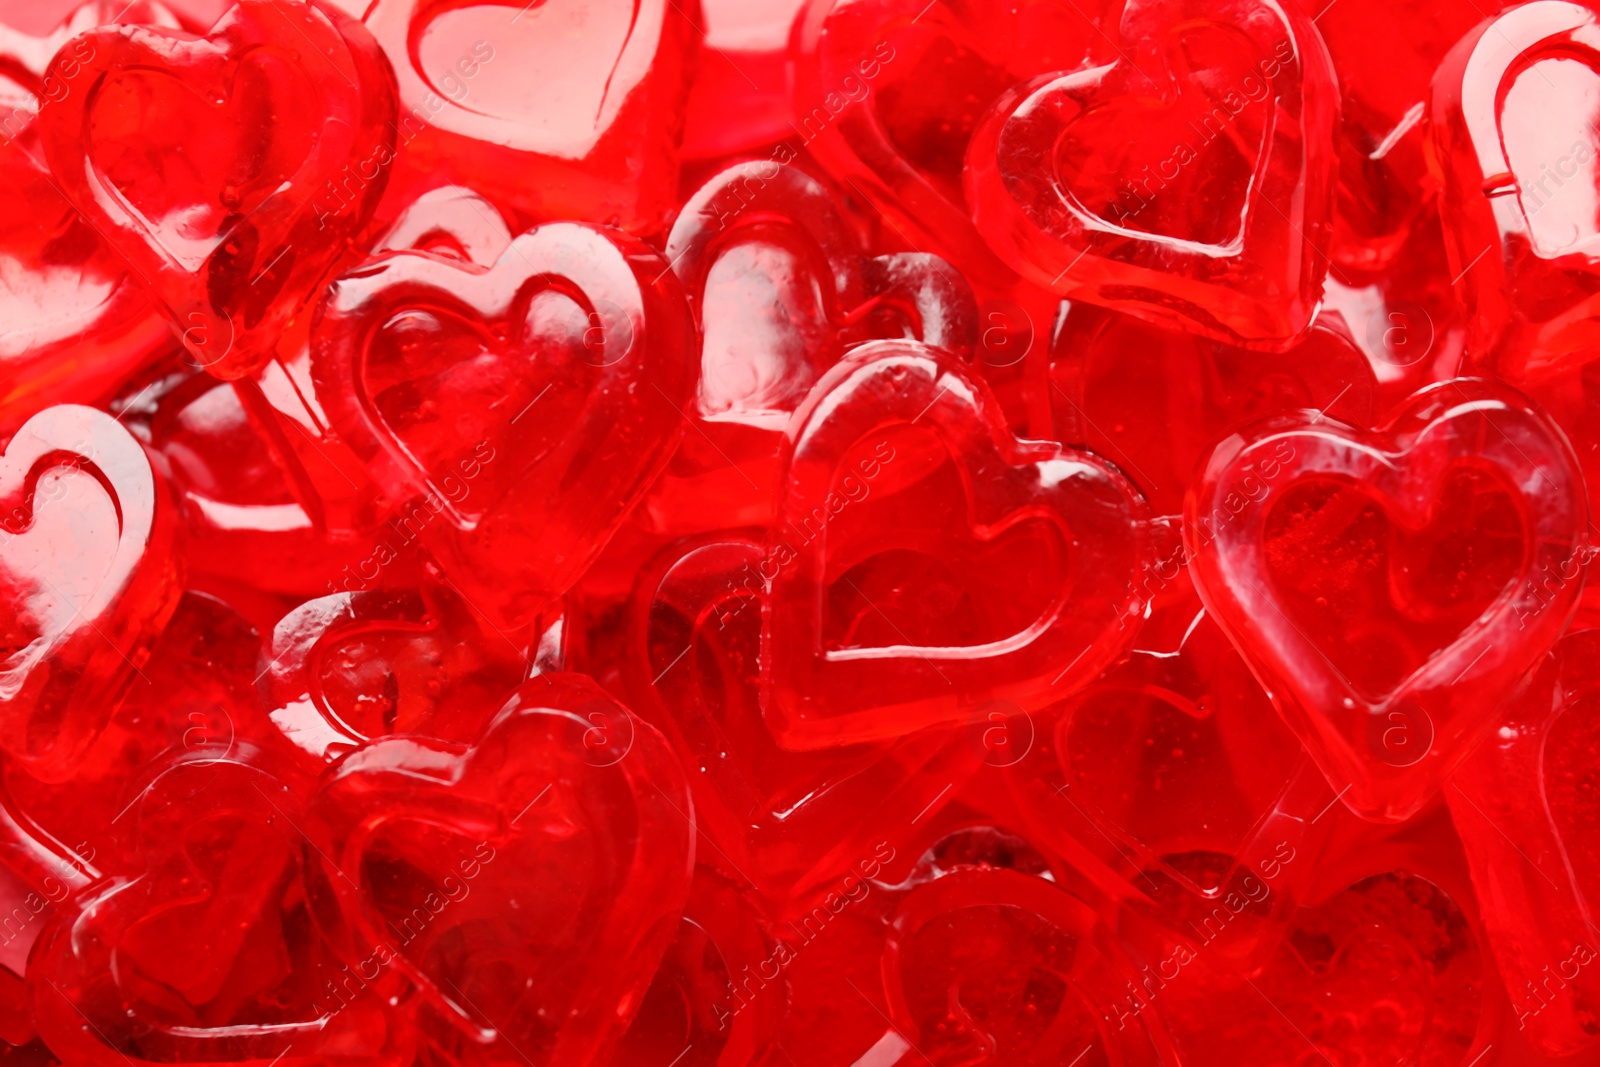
<point>87,567</point>
<point>1109,372</point>
<point>570,109</point>
<point>230,171</point>
<point>1519,166</point>
<point>1534,776</point>
<point>73,321</point>
<point>799,533</point>
<point>923,562</point>
<point>1214,218</point>
<point>1385,56</point>
<point>427,365</point>
<point>780,289</point>
<point>783,819</point>
<point>216,957</point>
<point>888,93</point>
<point>527,884</point>
<point>354,666</point>
<point>1391,586</point>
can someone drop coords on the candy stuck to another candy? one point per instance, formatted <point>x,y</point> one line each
<point>780,289</point>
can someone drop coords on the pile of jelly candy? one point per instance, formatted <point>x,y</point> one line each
<point>799,533</point>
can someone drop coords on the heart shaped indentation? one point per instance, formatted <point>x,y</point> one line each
<point>1379,595</point>
<point>570,76</point>
<point>1203,140</point>
<point>781,288</point>
<point>450,388</point>
<point>351,667</point>
<point>527,884</point>
<point>73,321</point>
<point>209,953</point>
<point>990,966</point>
<point>1213,219</point>
<point>229,171</point>
<point>192,203</point>
<point>1388,970</point>
<point>1392,587</point>
<point>196,690</point>
<point>513,411</point>
<point>787,820</point>
<point>926,563</point>
<point>564,109</point>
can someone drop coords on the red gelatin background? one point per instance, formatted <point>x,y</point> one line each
<point>799,533</point>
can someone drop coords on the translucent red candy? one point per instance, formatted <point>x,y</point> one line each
<point>1388,585</point>
<point>799,533</point>
<point>1109,372</point>
<point>231,172</point>
<point>525,884</point>
<point>923,77</point>
<point>1523,250</point>
<point>73,322</point>
<point>207,953</point>
<point>1546,867</point>
<point>785,820</point>
<point>1213,219</point>
<point>561,110</point>
<point>1384,55</point>
<point>426,365</point>
<point>87,566</point>
<point>923,563</point>
<point>781,289</point>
